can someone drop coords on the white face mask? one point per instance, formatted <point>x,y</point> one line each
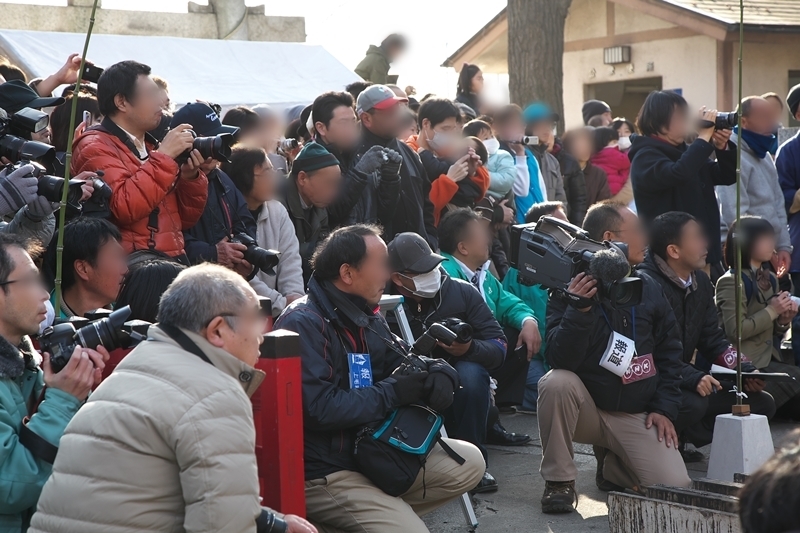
<point>624,143</point>
<point>426,285</point>
<point>441,141</point>
<point>492,145</point>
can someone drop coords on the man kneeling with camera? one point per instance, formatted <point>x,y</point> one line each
<point>358,380</point>
<point>29,435</point>
<point>167,442</point>
<point>616,373</point>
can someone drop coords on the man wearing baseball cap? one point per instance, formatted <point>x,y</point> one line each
<point>381,115</point>
<point>16,95</point>
<point>226,213</point>
<point>788,165</point>
<point>431,296</point>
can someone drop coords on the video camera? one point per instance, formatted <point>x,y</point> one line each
<point>424,345</point>
<point>724,121</point>
<point>217,147</point>
<point>100,327</point>
<point>551,252</point>
<point>265,260</point>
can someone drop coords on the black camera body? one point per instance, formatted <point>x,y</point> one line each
<point>551,252</point>
<point>15,133</point>
<point>99,328</point>
<point>265,260</point>
<point>462,330</point>
<point>217,147</point>
<point>723,121</point>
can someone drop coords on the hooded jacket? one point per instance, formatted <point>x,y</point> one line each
<point>576,341</point>
<point>332,412</point>
<point>375,66</point>
<point>165,443</point>
<point>141,189</point>
<point>695,314</point>
<point>761,194</point>
<point>681,178</point>
<point>275,231</point>
<point>23,474</point>
<point>616,165</point>
<point>225,214</point>
<point>574,184</point>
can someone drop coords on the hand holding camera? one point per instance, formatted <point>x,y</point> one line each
<point>18,187</point>
<point>583,286</point>
<point>371,161</point>
<point>230,254</point>
<point>408,387</point>
<point>177,141</point>
<point>83,370</point>
<point>392,161</point>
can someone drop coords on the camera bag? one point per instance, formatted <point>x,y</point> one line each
<point>392,452</point>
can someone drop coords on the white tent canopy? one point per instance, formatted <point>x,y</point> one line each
<point>228,73</point>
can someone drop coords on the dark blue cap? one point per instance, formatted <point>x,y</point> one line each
<point>204,120</point>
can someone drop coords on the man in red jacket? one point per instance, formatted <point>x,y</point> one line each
<point>154,199</point>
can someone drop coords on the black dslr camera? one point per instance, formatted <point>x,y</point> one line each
<point>99,328</point>
<point>217,147</point>
<point>462,330</point>
<point>724,121</point>
<point>424,346</point>
<point>551,252</point>
<point>265,260</point>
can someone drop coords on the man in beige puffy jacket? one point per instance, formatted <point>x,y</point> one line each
<point>167,442</point>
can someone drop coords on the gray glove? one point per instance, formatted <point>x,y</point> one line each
<point>17,189</point>
<point>371,160</point>
<point>391,166</point>
<point>41,208</point>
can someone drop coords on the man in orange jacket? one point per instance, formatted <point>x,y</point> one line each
<point>154,198</point>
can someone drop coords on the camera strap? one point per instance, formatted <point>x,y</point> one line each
<point>38,446</point>
<point>184,341</point>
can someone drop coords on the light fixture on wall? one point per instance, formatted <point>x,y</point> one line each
<point>617,55</point>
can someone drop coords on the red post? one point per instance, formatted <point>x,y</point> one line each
<point>278,415</point>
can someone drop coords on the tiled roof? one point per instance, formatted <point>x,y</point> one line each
<point>756,12</point>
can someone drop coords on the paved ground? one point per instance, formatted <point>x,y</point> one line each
<point>515,507</point>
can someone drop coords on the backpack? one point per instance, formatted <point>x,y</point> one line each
<point>748,286</point>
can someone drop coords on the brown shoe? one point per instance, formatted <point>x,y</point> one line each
<point>559,497</point>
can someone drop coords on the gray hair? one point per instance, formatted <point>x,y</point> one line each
<point>201,293</point>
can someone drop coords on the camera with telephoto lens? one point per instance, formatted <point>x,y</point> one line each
<point>462,330</point>
<point>265,260</point>
<point>101,327</point>
<point>723,121</point>
<point>15,133</point>
<point>51,187</point>
<point>551,253</point>
<point>424,345</point>
<point>217,147</point>
<point>286,145</point>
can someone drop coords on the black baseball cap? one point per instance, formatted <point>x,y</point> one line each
<point>793,99</point>
<point>16,95</point>
<point>409,252</point>
<point>204,120</point>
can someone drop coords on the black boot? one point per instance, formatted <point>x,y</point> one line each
<point>601,482</point>
<point>559,497</point>
<point>498,435</point>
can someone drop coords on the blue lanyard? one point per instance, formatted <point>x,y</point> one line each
<point>633,321</point>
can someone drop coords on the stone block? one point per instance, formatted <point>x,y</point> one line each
<point>741,444</point>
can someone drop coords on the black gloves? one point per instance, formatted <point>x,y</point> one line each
<point>439,388</point>
<point>390,168</point>
<point>409,388</point>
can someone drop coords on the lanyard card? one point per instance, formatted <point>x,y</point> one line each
<point>360,370</point>
<point>618,355</point>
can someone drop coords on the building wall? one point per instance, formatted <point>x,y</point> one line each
<point>586,19</point>
<point>75,19</point>
<point>688,63</point>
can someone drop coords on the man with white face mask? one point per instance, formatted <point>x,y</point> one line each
<point>431,296</point>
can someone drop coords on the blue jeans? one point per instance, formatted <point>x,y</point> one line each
<point>466,418</point>
<point>535,372</point>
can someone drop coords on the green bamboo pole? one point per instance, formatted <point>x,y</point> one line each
<point>63,211</point>
<point>737,236</point>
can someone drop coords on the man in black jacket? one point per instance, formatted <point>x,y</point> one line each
<point>431,296</point>
<point>574,182</point>
<point>335,128</point>
<point>338,319</point>
<point>669,175</point>
<point>410,209</point>
<point>678,249</point>
<point>226,212</point>
<point>628,411</point>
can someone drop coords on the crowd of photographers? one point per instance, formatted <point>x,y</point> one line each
<point>193,219</point>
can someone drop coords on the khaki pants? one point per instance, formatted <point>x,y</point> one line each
<point>568,414</point>
<point>346,501</point>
